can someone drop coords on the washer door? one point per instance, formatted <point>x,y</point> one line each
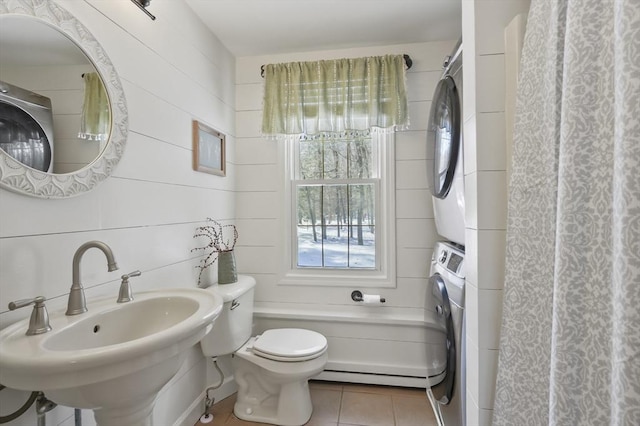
<point>23,138</point>
<point>444,391</point>
<point>443,136</point>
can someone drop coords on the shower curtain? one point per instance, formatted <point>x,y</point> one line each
<point>570,338</point>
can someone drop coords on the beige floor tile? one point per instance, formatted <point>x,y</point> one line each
<point>319,384</point>
<point>326,406</point>
<point>225,405</point>
<point>234,421</point>
<point>412,392</point>
<point>356,387</point>
<point>347,424</point>
<point>370,409</point>
<point>412,411</point>
<point>344,404</point>
<point>385,390</point>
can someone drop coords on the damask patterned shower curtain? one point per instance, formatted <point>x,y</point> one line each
<point>570,339</point>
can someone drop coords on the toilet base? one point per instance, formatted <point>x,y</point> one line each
<point>274,392</point>
<point>292,408</point>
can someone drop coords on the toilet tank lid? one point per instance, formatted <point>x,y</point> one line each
<point>232,291</point>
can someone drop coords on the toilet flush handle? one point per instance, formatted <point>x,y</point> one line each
<point>234,304</point>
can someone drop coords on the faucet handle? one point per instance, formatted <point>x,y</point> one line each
<point>39,321</point>
<point>131,274</point>
<point>124,294</point>
<point>25,302</point>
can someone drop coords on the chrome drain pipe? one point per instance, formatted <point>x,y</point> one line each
<point>43,406</point>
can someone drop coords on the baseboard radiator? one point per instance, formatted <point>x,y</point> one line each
<point>398,350</point>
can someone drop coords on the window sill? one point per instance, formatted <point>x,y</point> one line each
<point>334,278</point>
<point>355,313</point>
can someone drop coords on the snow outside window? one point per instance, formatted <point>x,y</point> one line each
<point>341,193</point>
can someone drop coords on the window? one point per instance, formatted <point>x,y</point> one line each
<point>340,193</point>
<point>335,120</point>
<point>336,187</point>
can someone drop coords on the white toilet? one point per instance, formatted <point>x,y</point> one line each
<point>272,370</point>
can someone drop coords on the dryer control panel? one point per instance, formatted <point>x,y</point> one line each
<point>450,259</point>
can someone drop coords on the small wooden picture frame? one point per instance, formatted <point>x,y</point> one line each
<point>208,150</point>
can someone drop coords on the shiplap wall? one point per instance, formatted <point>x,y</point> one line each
<point>483,24</point>
<point>173,70</point>
<point>391,339</point>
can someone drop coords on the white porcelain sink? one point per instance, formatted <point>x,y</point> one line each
<point>113,359</point>
<point>126,323</point>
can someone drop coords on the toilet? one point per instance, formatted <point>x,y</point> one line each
<point>273,369</point>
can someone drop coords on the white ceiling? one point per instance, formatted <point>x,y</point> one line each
<point>261,27</point>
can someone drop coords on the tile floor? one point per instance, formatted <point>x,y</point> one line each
<point>343,404</point>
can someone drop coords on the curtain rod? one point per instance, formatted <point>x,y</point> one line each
<point>407,61</point>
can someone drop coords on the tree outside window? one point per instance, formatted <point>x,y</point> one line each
<point>336,201</point>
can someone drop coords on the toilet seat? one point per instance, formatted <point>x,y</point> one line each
<point>289,345</point>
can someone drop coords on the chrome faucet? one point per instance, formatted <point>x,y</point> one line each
<point>77,303</point>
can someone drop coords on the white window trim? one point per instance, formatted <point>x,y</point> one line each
<point>385,275</point>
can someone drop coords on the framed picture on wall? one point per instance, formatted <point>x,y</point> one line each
<point>208,150</point>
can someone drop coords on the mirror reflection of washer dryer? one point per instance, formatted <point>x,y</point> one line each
<point>445,142</point>
<point>26,127</point>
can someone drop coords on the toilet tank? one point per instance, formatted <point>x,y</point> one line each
<point>234,325</point>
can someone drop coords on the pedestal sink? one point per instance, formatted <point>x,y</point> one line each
<point>113,359</point>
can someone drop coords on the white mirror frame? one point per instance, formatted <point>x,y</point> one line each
<point>16,177</point>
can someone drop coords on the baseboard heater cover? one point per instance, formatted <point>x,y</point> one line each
<point>378,378</point>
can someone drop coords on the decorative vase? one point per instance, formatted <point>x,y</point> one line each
<point>227,273</point>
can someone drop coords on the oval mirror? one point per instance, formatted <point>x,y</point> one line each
<point>63,115</point>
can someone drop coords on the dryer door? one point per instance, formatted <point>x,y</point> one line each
<point>444,391</point>
<point>443,136</point>
<point>23,138</point>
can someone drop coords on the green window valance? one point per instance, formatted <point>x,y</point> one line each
<point>335,97</point>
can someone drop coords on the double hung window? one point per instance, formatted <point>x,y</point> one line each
<point>336,191</point>
<point>341,217</point>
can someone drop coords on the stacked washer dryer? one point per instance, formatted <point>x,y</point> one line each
<point>444,141</point>
<point>446,180</point>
